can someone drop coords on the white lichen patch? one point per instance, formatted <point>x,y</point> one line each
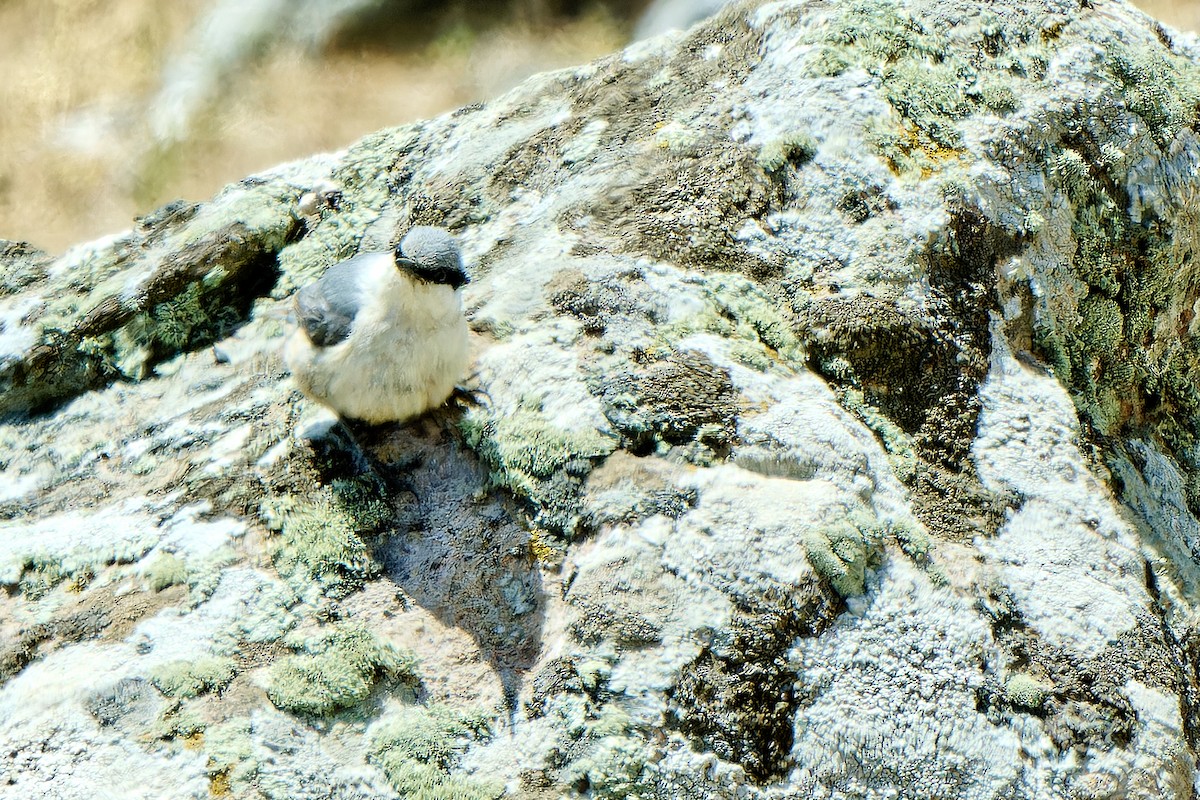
<point>15,484</point>
<point>227,449</point>
<point>534,371</point>
<point>76,724</point>
<point>247,606</point>
<point>1066,554</point>
<point>746,535</point>
<point>1160,765</point>
<point>16,336</point>
<point>187,533</point>
<point>621,557</point>
<point>893,700</point>
<point>585,143</point>
<point>511,292</point>
<point>119,533</point>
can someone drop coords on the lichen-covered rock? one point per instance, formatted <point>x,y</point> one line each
<point>833,434</point>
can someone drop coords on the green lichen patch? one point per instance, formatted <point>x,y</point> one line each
<point>931,84</point>
<point>39,572</point>
<point>1159,86</point>
<point>913,541</point>
<point>190,319</point>
<point>842,550</point>
<point>230,749</point>
<point>794,150</point>
<point>538,461</point>
<point>167,569</point>
<point>1127,355</point>
<point>39,575</point>
<point>744,312</point>
<point>896,441</point>
<point>336,671</point>
<point>757,324</point>
<point>324,535</point>
<point>1025,691</point>
<point>418,747</point>
<point>184,679</point>
<point>529,448</point>
<point>178,720</point>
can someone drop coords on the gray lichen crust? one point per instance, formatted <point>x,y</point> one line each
<point>835,436</point>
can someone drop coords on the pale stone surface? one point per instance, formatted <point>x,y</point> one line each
<point>833,436</point>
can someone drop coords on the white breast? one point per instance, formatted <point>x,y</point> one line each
<point>406,350</point>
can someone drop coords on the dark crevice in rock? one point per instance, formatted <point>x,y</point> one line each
<point>738,698</point>
<point>922,367</point>
<point>683,400</point>
<point>1173,662</point>
<point>1084,703</point>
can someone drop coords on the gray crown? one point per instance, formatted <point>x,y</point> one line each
<point>432,255</point>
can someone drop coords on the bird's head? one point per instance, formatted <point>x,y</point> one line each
<point>431,255</point>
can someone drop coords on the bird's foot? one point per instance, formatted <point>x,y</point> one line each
<point>465,396</point>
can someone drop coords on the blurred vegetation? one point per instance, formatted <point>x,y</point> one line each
<point>77,158</point>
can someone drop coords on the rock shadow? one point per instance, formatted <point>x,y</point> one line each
<point>460,551</point>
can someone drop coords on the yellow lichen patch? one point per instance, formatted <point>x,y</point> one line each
<point>219,784</point>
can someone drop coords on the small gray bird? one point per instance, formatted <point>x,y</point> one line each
<point>382,336</point>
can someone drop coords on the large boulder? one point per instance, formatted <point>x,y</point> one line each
<point>833,433</point>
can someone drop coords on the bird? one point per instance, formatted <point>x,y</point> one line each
<point>381,337</point>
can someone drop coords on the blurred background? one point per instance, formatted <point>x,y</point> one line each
<point>109,108</point>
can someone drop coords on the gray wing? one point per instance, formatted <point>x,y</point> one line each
<point>326,309</point>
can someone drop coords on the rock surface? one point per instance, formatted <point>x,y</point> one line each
<point>835,437</point>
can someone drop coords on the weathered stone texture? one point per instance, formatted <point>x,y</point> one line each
<point>834,434</point>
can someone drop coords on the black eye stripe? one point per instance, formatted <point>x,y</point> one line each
<point>445,276</point>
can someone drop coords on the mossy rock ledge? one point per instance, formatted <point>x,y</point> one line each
<point>835,434</point>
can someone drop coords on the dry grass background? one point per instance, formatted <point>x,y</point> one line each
<point>75,162</point>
